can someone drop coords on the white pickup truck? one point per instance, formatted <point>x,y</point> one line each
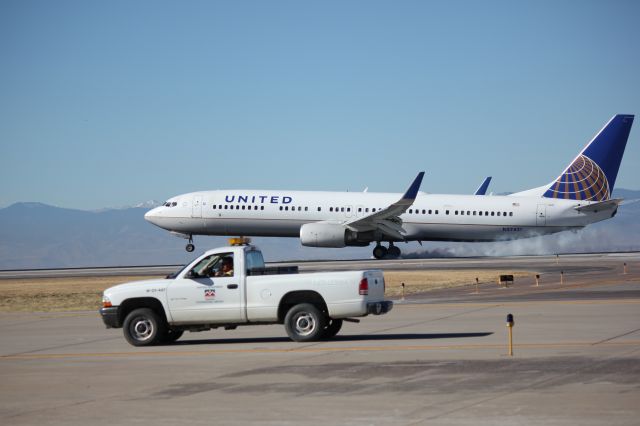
<point>230,286</point>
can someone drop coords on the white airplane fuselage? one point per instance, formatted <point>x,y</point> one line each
<point>432,217</point>
<point>579,196</point>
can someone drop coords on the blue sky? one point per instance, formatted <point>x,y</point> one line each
<point>105,104</point>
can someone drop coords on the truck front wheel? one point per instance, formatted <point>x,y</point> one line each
<point>143,327</point>
<point>305,323</point>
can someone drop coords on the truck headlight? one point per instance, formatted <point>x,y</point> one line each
<point>106,302</point>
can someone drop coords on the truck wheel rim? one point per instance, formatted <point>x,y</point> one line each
<point>305,324</point>
<point>142,329</point>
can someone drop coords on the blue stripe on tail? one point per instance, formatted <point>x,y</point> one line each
<point>592,175</point>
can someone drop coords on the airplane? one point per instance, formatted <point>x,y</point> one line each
<point>579,196</point>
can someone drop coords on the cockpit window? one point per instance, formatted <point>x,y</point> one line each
<point>170,204</point>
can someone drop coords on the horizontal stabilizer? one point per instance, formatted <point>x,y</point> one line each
<point>602,205</point>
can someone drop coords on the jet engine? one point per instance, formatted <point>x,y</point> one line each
<point>322,234</point>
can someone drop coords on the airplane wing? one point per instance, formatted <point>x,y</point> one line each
<point>388,219</point>
<point>602,205</point>
<point>482,189</point>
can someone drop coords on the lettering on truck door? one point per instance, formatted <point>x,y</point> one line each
<point>209,292</point>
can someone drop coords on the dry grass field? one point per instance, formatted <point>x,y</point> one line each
<point>80,294</point>
<point>56,294</point>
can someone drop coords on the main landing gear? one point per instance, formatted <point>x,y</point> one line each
<point>190,247</point>
<point>380,251</point>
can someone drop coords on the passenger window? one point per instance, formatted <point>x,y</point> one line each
<point>319,209</point>
<point>446,212</point>
<point>510,213</point>
<point>492,213</point>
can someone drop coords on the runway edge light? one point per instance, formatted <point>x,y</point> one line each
<point>510,323</point>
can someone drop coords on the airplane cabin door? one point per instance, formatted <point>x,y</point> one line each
<point>196,207</point>
<point>541,215</point>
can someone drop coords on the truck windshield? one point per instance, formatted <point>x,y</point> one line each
<point>173,275</point>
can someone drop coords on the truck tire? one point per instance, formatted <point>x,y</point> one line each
<point>143,327</point>
<point>332,328</point>
<point>171,335</point>
<point>305,323</point>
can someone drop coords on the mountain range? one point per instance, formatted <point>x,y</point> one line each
<point>36,235</point>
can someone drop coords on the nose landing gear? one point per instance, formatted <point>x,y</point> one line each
<point>190,247</point>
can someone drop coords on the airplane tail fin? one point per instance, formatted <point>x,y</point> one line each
<point>592,174</point>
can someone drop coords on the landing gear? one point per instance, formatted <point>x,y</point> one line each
<point>190,247</point>
<point>393,251</point>
<point>380,251</point>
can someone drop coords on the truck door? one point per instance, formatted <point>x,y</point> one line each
<point>196,206</point>
<point>206,294</point>
<point>541,215</point>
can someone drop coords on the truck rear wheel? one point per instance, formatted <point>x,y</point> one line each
<point>305,323</point>
<point>143,327</point>
<point>332,328</point>
<point>171,335</point>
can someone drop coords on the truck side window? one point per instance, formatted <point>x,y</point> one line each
<point>254,260</point>
<point>212,266</point>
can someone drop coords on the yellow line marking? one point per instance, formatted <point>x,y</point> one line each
<point>398,305</point>
<point>315,350</point>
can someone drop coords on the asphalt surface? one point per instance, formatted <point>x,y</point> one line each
<point>437,358</point>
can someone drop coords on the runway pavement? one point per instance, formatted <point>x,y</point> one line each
<point>437,358</point>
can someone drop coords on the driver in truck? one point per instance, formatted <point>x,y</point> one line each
<point>227,267</point>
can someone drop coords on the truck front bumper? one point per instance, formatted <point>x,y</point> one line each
<point>110,317</point>
<point>379,308</point>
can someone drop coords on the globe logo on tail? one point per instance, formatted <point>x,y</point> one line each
<point>583,180</point>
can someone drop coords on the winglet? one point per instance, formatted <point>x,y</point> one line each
<point>412,192</point>
<point>482,189</point>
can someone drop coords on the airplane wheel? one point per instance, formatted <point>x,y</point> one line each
<point>394,251</point>
<point>190,247</point>
<point>379,252</point>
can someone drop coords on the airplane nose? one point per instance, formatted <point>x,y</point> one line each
<point>152,215</point>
